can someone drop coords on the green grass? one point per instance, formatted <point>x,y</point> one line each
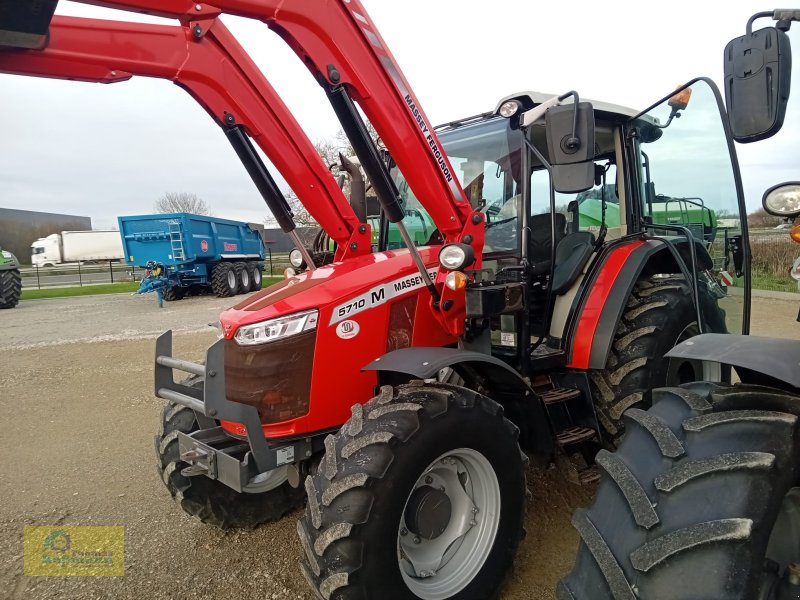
<point>762,280</point>
<point>87,290</point>
<point>125,287</point>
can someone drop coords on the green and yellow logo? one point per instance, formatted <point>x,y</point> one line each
<point>74,550</point>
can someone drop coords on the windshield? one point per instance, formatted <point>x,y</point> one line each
<point>486,159</point>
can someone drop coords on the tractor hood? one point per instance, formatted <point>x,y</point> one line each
<point>339,290</point>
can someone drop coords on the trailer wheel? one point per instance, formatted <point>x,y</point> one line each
<point>10,288</point>
<point>420,495</point>
<point>242,277</point>
<point>224,282</point>
<point>256,282</point>
<point>701,500</point>
<point>173,293</point>
<point>660,313</point>
<point>209,500</point>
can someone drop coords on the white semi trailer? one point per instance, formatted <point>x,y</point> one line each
<point>76,246</point>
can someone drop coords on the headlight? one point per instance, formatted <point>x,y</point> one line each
<point>296,258</point>
<point>509,108</point>
<point>783,200</point>
<point>455,257</point>
<point>276,329</point>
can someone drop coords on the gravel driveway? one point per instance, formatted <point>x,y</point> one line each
<point>77,448</point>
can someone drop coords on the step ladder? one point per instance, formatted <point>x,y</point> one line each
<point>176,241</point>
<point>572,438</point>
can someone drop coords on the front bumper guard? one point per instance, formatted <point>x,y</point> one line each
<point>210,451</point>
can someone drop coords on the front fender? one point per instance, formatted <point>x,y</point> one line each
<point>483,372</point>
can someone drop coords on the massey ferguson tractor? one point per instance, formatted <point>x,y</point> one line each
<point>702,497</point>
<point>403,390</point>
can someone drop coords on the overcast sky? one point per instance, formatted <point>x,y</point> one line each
<point>105,150</point>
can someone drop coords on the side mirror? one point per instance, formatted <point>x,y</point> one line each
<point>783,200</point>
<point>570,145</point>
<point>758,69</point>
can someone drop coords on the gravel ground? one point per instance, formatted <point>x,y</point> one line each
<point>76,386</point>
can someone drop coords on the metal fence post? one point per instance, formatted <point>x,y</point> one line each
<point>38,283</point>
<point>80,277</point>
<point>111,269</point>
<point>269,250</point>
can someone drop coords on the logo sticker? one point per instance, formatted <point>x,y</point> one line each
<point>74,550</point>
<point>204,246</point>
<point>378,295</point>
<point>347,329</point>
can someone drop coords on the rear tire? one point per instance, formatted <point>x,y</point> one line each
<point>660,313</point>
<point>242,277</point>
<point>701,500</point>
<point>10,288</point>
<point>358,518</point>
<point>207,499</point>
<point>224,282</point>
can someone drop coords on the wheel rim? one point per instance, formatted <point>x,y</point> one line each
<point>449,524</point>
<point>245,279</point>
<point>784,541</point>
<point>257,276</point>
<point>264,482</point>
<point>232,279</point>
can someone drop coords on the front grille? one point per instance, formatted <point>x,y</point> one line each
<point>273,377</point>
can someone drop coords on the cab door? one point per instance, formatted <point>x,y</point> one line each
<point>687,185</point>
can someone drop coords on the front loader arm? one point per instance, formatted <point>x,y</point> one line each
<point>340,45</point>
<point>219,75</point>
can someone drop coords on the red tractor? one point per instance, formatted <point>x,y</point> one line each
<point>576,243</point>
<point>702,497</point>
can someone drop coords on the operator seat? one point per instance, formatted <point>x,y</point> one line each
<point>572,254</point>
<point>539,240</point>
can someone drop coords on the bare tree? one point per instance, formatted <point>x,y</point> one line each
<point>329,150</point>
<point>181,202</point>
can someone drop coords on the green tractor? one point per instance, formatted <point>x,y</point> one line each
<point>10,280</point>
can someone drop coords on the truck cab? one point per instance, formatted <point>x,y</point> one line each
<point>46,251</point>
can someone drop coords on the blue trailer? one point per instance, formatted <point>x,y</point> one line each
<point>183,252</point>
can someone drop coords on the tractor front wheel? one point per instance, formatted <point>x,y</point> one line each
<point>420,495</point>
<point>209,500</point>
<point>10,288</point>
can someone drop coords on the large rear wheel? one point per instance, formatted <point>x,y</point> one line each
<point>268,499</point>
<point>701,500</point>
<point>660,314</point>
<point>420,495</point>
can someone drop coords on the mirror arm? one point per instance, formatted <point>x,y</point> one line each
<point>574,142</point>
<point>749,28</point>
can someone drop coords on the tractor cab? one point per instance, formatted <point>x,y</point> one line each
<point>665,176</point>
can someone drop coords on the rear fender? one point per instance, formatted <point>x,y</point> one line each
<point>758,360</point>
<point>601,301</point>
<point>481,372</point>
